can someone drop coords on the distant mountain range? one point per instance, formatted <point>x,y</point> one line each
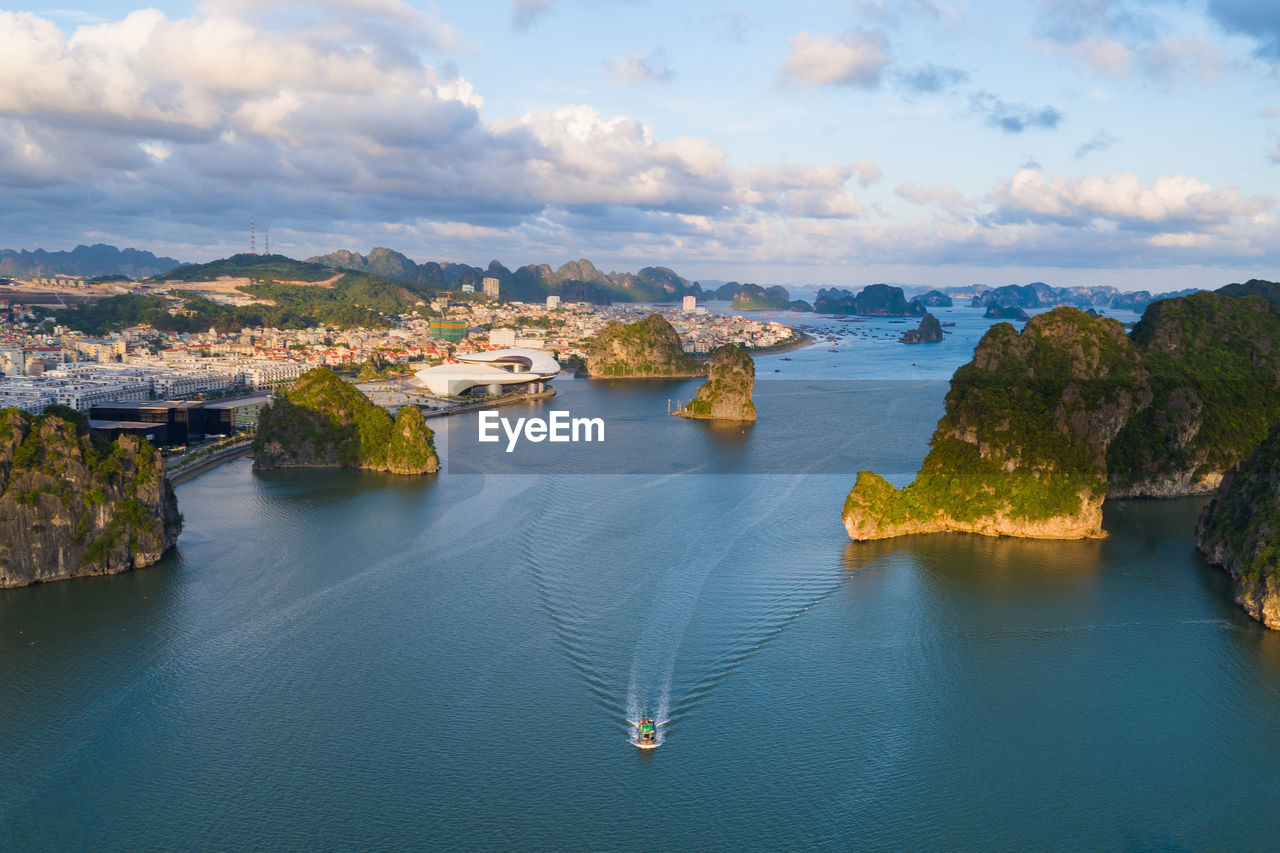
<point>1041,295</point>
<point>575,281</point>
<point>87,261</point>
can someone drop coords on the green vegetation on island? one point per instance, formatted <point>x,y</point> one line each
<point>326,422</point>
<point>726,395</point>
<point>929,331</point>
<point>1239,530</point>
<point>1005,312</point>
<point>1021,448</point>
<point>935,299</point>
<point>646,349</point>
<point>753,297</point>
<point>1215,376</point>
<point>1268,290</point>
<point>1041,426</point>
<point>71,505</point>
<point>874,300</point>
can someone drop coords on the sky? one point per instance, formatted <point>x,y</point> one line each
<point>1133,143</point>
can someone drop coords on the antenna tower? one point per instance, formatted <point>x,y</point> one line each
<point>253,238</point>
<point>267,236</point>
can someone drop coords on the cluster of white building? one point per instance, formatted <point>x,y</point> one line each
<point>83,385</point>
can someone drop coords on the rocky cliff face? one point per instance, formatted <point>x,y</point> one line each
<point>930,331</point>
<point>324,422</point>
<point>646,349</point>
<point>1162,413</point>
<point>726,395</point>
<point>1215,376</point>
<point>1240,531</point>
<point>1021,448</point>
<point>70,507</point>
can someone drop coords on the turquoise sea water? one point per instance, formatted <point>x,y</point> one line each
<point>345,660</point>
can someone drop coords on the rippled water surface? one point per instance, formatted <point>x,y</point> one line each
<point>345,660</point>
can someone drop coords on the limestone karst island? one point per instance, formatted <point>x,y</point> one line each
<point>1044,424</point>
<point>75,504</point>
<point>647,349</point>
<point>726,395</point>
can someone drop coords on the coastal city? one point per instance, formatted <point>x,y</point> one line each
<point>557,426</point>
<point>44,363</point>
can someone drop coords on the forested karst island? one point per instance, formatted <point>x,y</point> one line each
<point>1240,531</point>
<point>726,395</point>
<point>1041,426</point>
<point>1021,447</point>
<point>1214,362</point>
<point>929,331</point>
<point>874,300</point>
<point>72,505</point>
<point>753,297</point>
<point>649,348</point>
<point>323,422</point>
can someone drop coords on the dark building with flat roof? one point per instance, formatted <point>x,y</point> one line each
<point>184,420</point>
<point>157,434</point>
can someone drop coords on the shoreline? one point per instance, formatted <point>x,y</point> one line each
<point>208,463</point>
<point>804,340</point>
<point>501,401</point>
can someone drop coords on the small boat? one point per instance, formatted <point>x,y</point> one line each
<point>787,359</point>
<point>646,734</point>
<point>948,324</point>
<point>833,350</point>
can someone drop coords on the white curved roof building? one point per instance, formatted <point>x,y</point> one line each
<point>495,371</point>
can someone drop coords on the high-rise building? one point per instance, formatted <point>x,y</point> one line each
<point>553,302</point>
<point>690,302</point>
<point>491,287</point>
<point>449,330</point>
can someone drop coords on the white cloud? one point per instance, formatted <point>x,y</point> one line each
<point>855,59</point>
<point>336,132</point>
<point>868,171</point>
<point>210,104</point>
<point>157,151</point>
<point>634,68</point>
<point>945,196</point>
<point>1122,196</point>
<point>1166,61</point>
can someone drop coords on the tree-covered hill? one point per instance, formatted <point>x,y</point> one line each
<point>258,267</point>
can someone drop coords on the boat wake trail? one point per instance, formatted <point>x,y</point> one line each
<point>653,613</point>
